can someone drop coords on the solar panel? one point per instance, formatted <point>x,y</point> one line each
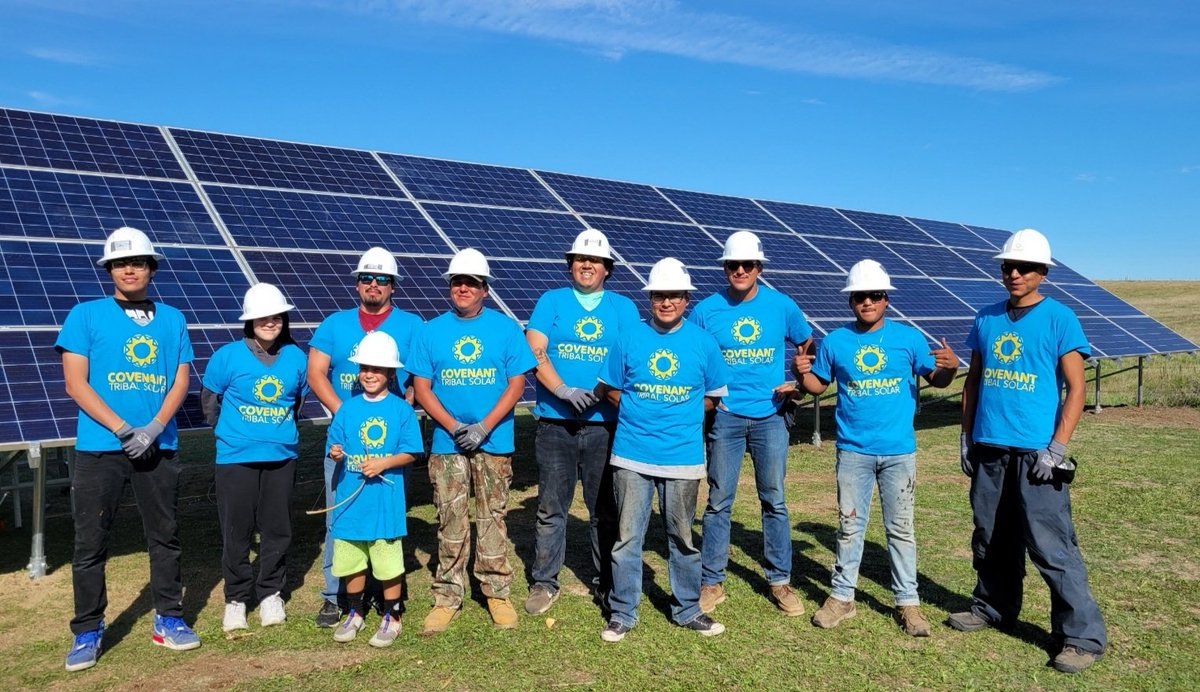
<point>1100,300</point>
<point>847,252</point>
<point>612,198</point>
<point>924,298</point>
<point>935,260</point>
<point>789,252</point>
<point>647,241</point>
<point>506,232</point>
<point>994,236</point>
<point>808,220</point>
<point>719,210</point>
<point>470,183</point>
<point>41,140</point>
<point>1151,331</point>
<point>1109,340</point>
<point>818,295</point>
<point>887,227</point>
<point>953,235</point>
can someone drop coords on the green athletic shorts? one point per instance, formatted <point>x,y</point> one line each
<point>386,558</point>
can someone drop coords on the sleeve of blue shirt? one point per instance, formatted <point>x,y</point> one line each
<point>1071,336</point>
<point>419,362</point>
<point>520,358</point>
<point>716,372</point>
<point>798,330</point>
<point>973,337</point>
<point>336,435</point>
<point>923,361</point>
<point>822,365</point>
<point>186,354</point>
<point>409,440</point>
<point>216,373</point>
<point>629,316</point>
<point>613,373</point>
<point>697,316</point>
<point>322,339</point>
<point>542,319</point>
<point>73,336</point>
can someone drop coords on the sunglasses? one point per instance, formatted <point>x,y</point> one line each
<point>1021,267</point>
<point>135,262</point>
<point>875,296</point>
<point>744,265</point>
<point>379,279</point>
<point>468,281</point>
<point>667,297</point>
<point>580,259</point>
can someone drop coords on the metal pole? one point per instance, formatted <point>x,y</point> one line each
<point>1096,408</point>
<point>816,436</point>
<point>16,494</point>
<point>1141,365</point>
<point>37,555</point>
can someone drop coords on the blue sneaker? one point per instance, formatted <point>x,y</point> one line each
<point>173,633</point>
<point>86,650</point>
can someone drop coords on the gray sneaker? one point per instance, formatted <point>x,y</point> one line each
<point>967,621</point>
<point>540,598</point>
<point>704,626</point>
<point>348,630</point>
<point>832,612</point>
<point>389,629</point>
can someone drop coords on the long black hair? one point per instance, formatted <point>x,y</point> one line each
<point>285,334</point>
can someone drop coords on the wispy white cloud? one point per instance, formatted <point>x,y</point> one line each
<point>1086,177</point>
<point>1189,169</point>
<point>619,27</point>
<point>47,99</point>
<point>65,56</point>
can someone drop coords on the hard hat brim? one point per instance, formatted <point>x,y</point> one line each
<point>1018,257</point>
<point>255,314</point>
<point>158,257</point>
<point>395,363</point>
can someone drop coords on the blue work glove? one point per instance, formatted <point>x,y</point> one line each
<point>142,439</point>
<point>471,437</point>
<point>1048,459</point>
<point>965,462</point>
<point>579,398</point>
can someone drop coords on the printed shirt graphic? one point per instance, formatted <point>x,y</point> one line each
<point>753,336</point>
<point>338,337</point>
<point>663,379</point>
<point>367,430</point>
<point>876,385</point>
<point>130,366</point>
<point>468,363</point>
<point>257,421</point>
<point>579,345</point>
<point>1020,386</point>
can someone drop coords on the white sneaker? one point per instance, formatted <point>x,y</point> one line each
<point>270,611</point>
<point>235,617</point>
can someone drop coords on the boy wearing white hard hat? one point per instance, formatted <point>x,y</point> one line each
<point>663,375</point>
<point>373,438</point>
<point>469,368</point>
<point>875,363</point>
<point>253,388</point>
<point>125,362</point>
<point>1015,429</point>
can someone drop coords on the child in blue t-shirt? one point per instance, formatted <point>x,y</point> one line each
<point>372,437</point>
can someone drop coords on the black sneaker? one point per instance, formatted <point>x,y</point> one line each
<point>615,632</point>
<point>329,615</point>
<point>705,626</point>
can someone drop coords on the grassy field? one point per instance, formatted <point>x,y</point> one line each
<point>1135,510</point>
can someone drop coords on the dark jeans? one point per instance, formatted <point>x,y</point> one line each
<point>1014,513</point>
<point>255,497</point>
<point>565,452</point>
<point>97,481</point>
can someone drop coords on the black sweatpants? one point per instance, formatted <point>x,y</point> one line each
<point>255,497</point>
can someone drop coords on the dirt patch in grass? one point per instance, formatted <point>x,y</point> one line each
<point>1152,416</point>
<point>220,671</point>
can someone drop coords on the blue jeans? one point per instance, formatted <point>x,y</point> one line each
<point>333,585</point>
<point>857,476</point>
<point>727,441</point>
<point>567,451</point>
<point>677,504</point>
<point>1014,513</point>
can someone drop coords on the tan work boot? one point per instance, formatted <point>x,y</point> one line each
<point>710,596</point>
<point>785,600</point>
<point>832,612</point>
<point>438,620</point>
<point>504,617</point>
<point>913,622</point>
<point>1073,659</point>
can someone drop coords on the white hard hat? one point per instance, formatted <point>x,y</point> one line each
<point>592,243</point>
<point>127,241</point>
<point>743,245</point>
<point>471,262</point>
<point>1026,245</point>
<point>669,274</point>
<point>378,349</point>
<point>377,261</point>
<point>263,300</point>
<point>868,275</point>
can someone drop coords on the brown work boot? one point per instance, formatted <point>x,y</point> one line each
<point>785,600</point>
<point>710,596</point>
<point>504,617</point>
<point>832,612</point>
<point>1073,659</point>
<point>913,622</point>
<point>438,620</point>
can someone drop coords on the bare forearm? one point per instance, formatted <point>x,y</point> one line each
<point>423,390</point>
<point>812,384</point>
<point>508,401</point>
<point>545,373</point>
<point>175,396</point>
<point>970,393</point>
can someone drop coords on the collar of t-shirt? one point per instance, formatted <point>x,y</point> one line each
<point>264,356</point>
<point>140,311</point>
<point>660,330</point>
<point>589,301</point>
<point>1016,313</point>
<point>369,322</point>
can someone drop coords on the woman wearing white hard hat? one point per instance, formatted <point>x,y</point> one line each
<point>571,331</point>
<point>253,389</point>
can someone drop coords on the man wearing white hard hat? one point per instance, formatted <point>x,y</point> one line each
<point>1015,429</point>
<point>875,363</point>
<point>752,324</point>
<point>125,362</point>
<point>663,375</point>
<point>333,377</point>
<point>571,332</point>
<point>469,368</point>
<point>253,388</point>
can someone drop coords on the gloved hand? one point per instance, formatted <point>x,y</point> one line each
<point>577,397</point>
<point>965,462</point>
<point>457,429</point>
<point>1048,459</point>
<point>142,438</point>
<point>124,433</point>
<point>471,437</point>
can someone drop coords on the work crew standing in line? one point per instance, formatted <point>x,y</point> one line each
<point>752,324</point>
<point>571,332</point>
<point>875,363</point>
<point>469,368</point>
<point>1015,430</point>
<point>125,363</point>
<point>253,390</point>
<point>334,378</point>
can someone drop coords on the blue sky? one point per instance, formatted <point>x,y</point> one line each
<point>1077,118</point>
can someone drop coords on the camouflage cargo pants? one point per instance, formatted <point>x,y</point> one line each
<point>453,476</point>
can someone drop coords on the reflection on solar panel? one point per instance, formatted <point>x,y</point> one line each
<point>227,211</point>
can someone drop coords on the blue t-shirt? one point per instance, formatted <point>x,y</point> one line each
<point>338,337</point>
<point>876,374</point>
<point>579,342</point>
<point>258,402</point>
<point>1020,388</point>
<point>468,363</point>
<point>369,430</point>
<point>131,367</point>
<point>663,379</point>
<point>752,335</point>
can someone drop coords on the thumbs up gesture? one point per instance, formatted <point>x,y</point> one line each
<point>944,357</point>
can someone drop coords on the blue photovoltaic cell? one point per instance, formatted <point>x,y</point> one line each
<point>994,236</point>
<point>1101,301</point>
<point>646,242</point>
<point>470,183</point>
<point>937,261</point>
<point>34,405</point>
<point>953,234</point>
<point>818,295</point>
<point>80,144</point>
<point>507,232</point>
<point>1049,289</point>
<point>847,252</point>
<point>1155,334</point>
<point>520,284</point>
<point>719,210</point>
<point>805,220</point>
<point>319,221</point>
<point>983,259</point>
<point>924,298</point>
<point>1065,275</point>
<point>707,282</point>
<point>953,331</point>
<point>1109,340</point>
<point>267,163</point>
<point>977,294</point>
<point>886,227</point>
<point>787,251</point>
<point>611,197</point>
<point>88,207</point>
<point>206,284</point>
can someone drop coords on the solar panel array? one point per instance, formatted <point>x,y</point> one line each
<point>228,211</point>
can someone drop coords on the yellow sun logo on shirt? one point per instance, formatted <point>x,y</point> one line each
<point>870,359</point>
<point>373,432</point>
<point>1007,348</point>
<point>468,349</point>
<point>141,350</point>
<point>589,329</point>
<point>746,330</point>
<point>663,364</point>
<point>268,389</point>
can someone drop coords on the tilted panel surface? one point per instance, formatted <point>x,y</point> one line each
<point>611,197</point>
<point>786,251</point>
<point>506,232</point>
<point>937,261</point>
<point>470,183</point>
<point>805,219</point>
<point>887,228</point>
<point>993,236</point>
<point>42,140</point>
<point>1101,300</point>
<point>1155,334</point>
<point>976,294</point>
<point>33,399</point>
<point>818,295</point>
<point>848,252</point>
<point>924,298</point>
<point>719,210</point>
<point>1109,340</point>
<point>954,235</point>
<point>646,242</point>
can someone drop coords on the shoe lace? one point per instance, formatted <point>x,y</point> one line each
<point>170,622</point>
<point>87,638</point>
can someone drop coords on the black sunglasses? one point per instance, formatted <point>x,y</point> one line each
<point>380,279</point>
<point>1021,267</point>
<point>875,296</point>
<point>135,262</point>
<point>744,265</point>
